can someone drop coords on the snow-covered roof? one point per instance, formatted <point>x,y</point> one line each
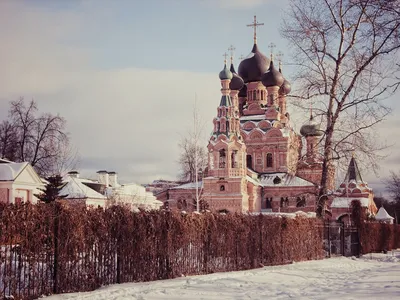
<point>190,185</point>
<point>253,117</point>
<point>345,202</point>
<point>287,215</point>
<point>9,171</point>
<point>285,180</point>
<point>383,214</point>
<point>252,180</point>
<point>75,189</point>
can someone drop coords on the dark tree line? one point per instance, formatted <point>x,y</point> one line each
<point>36,137</point>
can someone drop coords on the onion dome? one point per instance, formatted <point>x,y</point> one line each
<point>273,77</point>
<point>225,73</point>
<point>311,128</point>
<point>236,82</point>
<point>254,66</point>
<point>285,88</point>
<point>243,91</point>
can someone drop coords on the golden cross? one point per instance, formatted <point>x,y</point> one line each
<point>231,49</point>
<point>225,55</point>
<point>254,25</point>
<point>272,46</point>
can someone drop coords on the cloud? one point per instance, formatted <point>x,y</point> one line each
<point>239,4</point>
<point>128,120</point>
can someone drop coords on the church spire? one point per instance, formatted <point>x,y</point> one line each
<point>353,173</point>
<point>254,25</point>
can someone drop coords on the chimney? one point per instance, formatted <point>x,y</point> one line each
<point>73,174</point>
<point>113,179</point>
<point>103,177</point>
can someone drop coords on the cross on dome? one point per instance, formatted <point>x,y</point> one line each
<point>225,55</point>
<point>254,25</point>
<point>271,47</point>
<point>231,49</point>
<point>279,56</point>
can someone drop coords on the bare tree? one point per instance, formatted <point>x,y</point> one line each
<point>393,186</point>
<point>8,140</point>
<point>193,157</point>
<point>345,51</point>
<point>187,159</point>
<point>38,138</point>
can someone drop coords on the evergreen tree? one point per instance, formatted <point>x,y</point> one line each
<point>52,189</point>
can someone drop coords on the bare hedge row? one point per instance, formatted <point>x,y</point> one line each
<point>378,237</point>
<point>52,248</point>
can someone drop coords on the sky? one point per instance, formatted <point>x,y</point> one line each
<point>125,73</point>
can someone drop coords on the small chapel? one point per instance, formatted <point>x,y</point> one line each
<point>256,160</point>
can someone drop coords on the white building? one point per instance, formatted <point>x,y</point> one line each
<point>19,182</point>
<point>106,191</point>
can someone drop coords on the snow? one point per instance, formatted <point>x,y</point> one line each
<point>75,189</point>
<point>374,276</point>
<point>345,202</point>
<point>287,215</point>
<point>286,180</point>
<point>9,171</point>
<point>190,185</point>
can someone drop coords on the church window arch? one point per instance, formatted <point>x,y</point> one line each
<point>254,95</point>
<point>268,202</point>
<point>234,159</point>
<point>222,188</point>
<point>301,202</point>
<point>284,201</point>
<point>270,163</point>
<point>222,158</point>
<point>249,161</point>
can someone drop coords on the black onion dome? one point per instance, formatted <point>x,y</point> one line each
<point>311,128</point>
<point>236,82</point>
<point>273,77</point>
<point>225,73</point>
<point>252,68</point>
<point>285,88</point>
<point>243,91</point>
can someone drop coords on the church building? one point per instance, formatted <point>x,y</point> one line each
<point>256,161</point>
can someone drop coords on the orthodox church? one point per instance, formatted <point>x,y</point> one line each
<point>256,161</point>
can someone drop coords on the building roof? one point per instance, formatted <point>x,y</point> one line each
<point>383,214</point>
<point>10,171</point>
<point>353,173</point>
<point>283,179</point>
<point>76,189</point>
<point>345,202</point>
<point>190,185</point>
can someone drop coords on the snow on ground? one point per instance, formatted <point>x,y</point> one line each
<point>373,276</point>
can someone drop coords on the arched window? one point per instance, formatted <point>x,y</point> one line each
<point>284,202</point>
<point>222,158</point>
<point>269,160</point>
<point>249,161</point>
<point>233,159</point>
<point>254,95</point>
<point>222,188</point>
<point>268,203</point>
<point>301,202</point>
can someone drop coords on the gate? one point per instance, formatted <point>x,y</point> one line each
<point>340,239</point>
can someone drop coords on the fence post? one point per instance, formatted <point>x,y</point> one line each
<point>56,248</point>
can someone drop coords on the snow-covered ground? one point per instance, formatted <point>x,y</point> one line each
<point>374,276</point>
